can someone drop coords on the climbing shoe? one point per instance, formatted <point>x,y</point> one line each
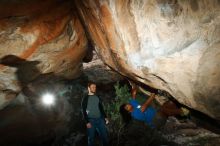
<point>185,111</point>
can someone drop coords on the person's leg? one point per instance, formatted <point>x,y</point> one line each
<point>91,133</point>
<point>102,130</point>
<point>170,109</point>
<point>159,121</point>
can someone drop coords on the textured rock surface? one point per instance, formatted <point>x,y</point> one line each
<point>171,45</point>
<point>174,133</point>
<point>30,122</point>
<point>100,73</point>
<point>43,37</point>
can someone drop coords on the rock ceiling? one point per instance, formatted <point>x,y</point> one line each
<point>172,45</point>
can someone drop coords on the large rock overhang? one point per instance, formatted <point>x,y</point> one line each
<point>168,45</point>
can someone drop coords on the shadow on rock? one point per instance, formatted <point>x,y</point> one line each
<point>31,121</point>
<point>26,70</point>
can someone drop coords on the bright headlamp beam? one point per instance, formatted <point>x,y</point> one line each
<point>48,99</point>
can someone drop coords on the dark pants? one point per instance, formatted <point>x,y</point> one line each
<point>159,121</point>
<point>99,125</point>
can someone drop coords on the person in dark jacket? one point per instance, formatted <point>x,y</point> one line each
<point>94,116</point>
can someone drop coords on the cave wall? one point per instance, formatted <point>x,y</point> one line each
<point>38,37</point>
<point>172,45</point>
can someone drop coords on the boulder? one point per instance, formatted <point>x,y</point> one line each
<point>38,37</point>
<point>167,45</point>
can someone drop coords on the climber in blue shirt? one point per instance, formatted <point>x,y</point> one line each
<point>148,114</point>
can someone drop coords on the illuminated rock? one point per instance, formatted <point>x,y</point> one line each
<point>38,37</point>
<point>168,45</point>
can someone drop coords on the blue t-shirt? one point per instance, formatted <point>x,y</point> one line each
<point>146,116</point>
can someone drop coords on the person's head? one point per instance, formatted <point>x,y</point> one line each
<point>92,87</point>
<point>125,113</point>
<point>128,107</point>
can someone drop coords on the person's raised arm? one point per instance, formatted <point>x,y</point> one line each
<point>133,93</point>
<point>148,102</point>
<point>133,89</point>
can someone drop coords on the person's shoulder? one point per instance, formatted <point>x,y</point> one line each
<point>132,100</point>
<point>98,95</point>
<point>85,96</point>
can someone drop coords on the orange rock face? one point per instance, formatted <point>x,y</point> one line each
<point>168,45</point>
<point>38,37</point>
